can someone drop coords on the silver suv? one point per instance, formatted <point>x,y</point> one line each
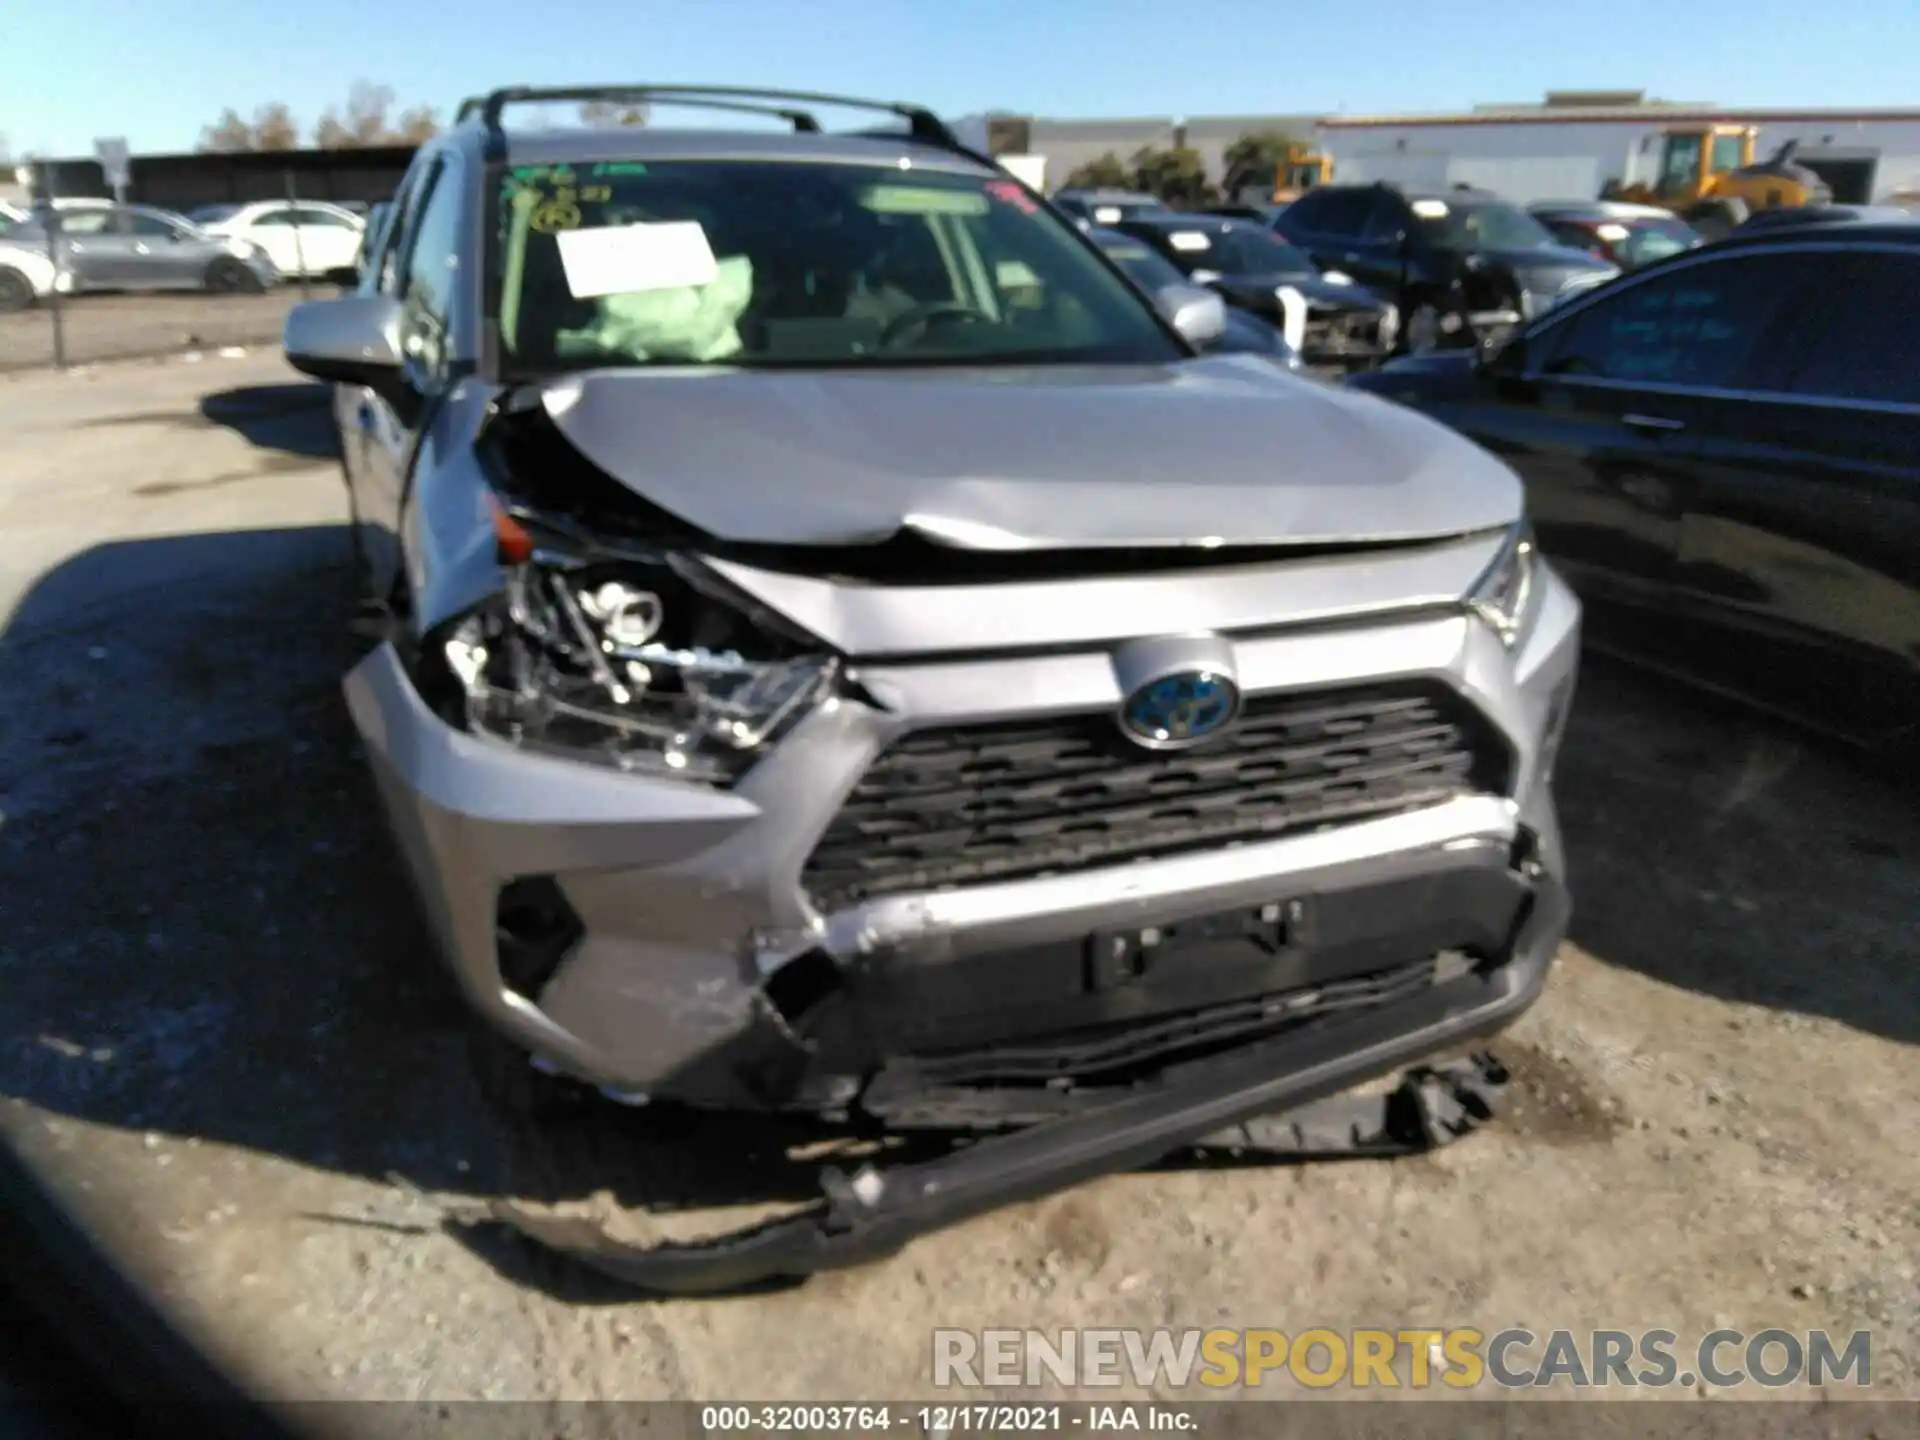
<point>846,650</point>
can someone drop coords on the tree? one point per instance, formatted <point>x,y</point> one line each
<point>228,134</point>
<point>1177,175</point>
<point>363,121</point>
<point>1255,159</point>
<point>1106,172</point>
<point>274,128</point>
<point>606,114</point>
<point>415,126</point>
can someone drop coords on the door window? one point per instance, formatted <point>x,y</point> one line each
<point>305,218</point>
<point>85,222</point>
<point>1726,153</point>
<point>419,179</point>
<point>1337,212</point>
<point>1387,219</point>
<point>1697,327</point>
<point>1867,346</point>
<point>1682,166</point>
<point>150,227</point>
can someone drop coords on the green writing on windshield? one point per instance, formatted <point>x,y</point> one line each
<point>619,167</point>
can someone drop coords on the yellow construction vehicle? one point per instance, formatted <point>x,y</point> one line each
<point>1299,170</point>
<point>1707,175</point>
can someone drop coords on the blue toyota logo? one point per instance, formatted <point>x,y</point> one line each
<point>1180,709</point>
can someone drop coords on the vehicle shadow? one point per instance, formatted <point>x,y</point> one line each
<point>1719,850</point>
<point>292,418</point>
<point>210,934</point>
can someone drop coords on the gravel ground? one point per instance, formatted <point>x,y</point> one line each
<point>223,1039</point>
<point>118,327</point>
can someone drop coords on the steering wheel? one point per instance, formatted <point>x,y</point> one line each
<point>922,318</point>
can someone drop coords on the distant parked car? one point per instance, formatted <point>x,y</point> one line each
<point>1107,207</point>
<point>1722,454</point>
<point>1464,266</point>
<point>136,247</point>
<point>305,237</point>
<point>26,275</point>
<point>1623,234</point>
<point>1245,334</point>
<point>1339,323</point>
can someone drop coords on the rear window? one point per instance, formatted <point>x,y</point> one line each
<point>212,214</point>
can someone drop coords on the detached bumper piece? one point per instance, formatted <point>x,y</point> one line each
<point>1279,1098</point>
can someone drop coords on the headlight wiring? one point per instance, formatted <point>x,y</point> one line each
<point>639,660</point>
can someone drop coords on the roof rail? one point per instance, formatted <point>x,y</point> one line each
<point>922,124</point>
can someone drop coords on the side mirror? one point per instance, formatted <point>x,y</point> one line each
<point>1198,314</point>
<point>354,340</point>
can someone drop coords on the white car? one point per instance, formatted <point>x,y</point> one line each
<point>27,275</point>
<point>306,237</point>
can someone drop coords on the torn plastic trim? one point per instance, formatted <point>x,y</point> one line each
<point>875,1213</point>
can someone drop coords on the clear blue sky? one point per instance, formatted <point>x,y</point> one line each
<point>71,70</point>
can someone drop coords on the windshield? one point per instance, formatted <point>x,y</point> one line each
<point>1146,268</point>
<point>1481,225</point>
<point>212,214</point>
<point>757,263</point>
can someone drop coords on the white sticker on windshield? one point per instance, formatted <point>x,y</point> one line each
<point>1430,209</point>
<point>1188,240</point>
<point>1106,214</point>
<point>625,259</point>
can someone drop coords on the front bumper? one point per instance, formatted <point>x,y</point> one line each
<point>699,967</point>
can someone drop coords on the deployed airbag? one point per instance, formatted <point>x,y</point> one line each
<point>686,323</point>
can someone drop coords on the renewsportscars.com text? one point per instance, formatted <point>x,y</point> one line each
<point>1407,1358</point>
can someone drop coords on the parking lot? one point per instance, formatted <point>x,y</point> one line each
<point>223,1037</point>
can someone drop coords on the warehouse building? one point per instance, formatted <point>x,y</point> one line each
<point>1571,145</point>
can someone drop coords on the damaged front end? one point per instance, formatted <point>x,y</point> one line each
<point>680,846</point>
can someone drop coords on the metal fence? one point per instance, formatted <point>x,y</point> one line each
<point>137,291</point>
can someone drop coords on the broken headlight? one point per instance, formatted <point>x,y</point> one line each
<point>1503,597</point>
<point>642,665</point>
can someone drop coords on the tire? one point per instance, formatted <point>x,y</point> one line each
<point>230,277</point>
<point>16,291</point>
<point>1715,219</point>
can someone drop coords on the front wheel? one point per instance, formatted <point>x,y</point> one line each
<point>230,277</point>
<point>16,292</point>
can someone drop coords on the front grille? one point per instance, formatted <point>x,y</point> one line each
<point>969,804</point>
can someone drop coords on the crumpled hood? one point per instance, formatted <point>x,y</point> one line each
<point>1221,450</point>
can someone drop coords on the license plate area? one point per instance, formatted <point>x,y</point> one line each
<point>1114,958</point>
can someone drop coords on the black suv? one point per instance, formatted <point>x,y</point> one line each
<point>1722,454</point>
<point>1463,266</point>
<point>1328,319</point>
